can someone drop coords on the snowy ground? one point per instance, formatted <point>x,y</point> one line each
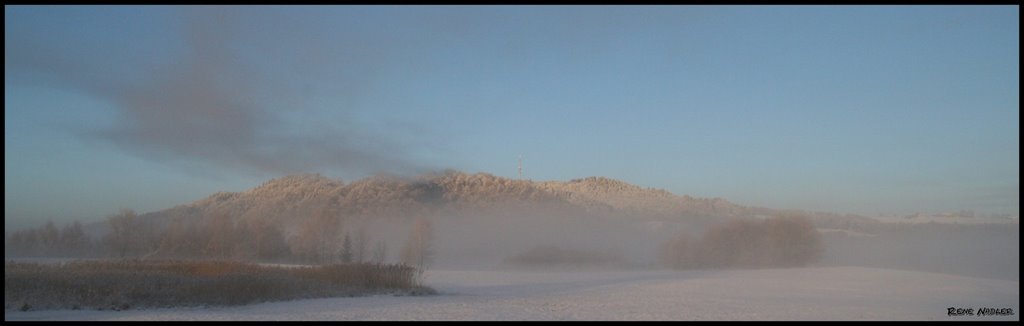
<point>820,293</point>
<point>948,220</point>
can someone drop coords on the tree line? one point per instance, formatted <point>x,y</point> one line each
<point>780,241</point>
<point>321,239</point>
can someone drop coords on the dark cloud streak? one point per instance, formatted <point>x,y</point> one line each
<point>209,104</point>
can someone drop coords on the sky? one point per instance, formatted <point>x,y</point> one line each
<point>850,109</point>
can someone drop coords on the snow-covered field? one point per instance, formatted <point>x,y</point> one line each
<point>948,220</point>
<point>818,293</point>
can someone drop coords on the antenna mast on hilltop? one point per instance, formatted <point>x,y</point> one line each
<point>520,167</point>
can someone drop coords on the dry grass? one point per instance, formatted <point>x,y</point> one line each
<point>126,284</point>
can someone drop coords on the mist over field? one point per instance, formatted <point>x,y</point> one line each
<point>506,239</point>
<point>512,163</point>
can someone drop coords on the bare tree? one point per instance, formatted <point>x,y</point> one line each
<point>173,239</point>
<point>222,235</point>
<point>147,239</point>
<point>317,236</point>
<point>346,249</point>
<point>50,237</point>
<point>795,240</point>
<point>123,225</point>
<point>359,250</point>
<point>380,252</point>
<point>73,240</point>
<point>417,251</point>
<point>266,240</point>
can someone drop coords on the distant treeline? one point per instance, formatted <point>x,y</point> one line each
<point>320,240</point>
<point>51,241</point>
<point>783,241</point>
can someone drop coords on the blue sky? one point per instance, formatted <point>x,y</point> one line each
<point>851,109</point>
